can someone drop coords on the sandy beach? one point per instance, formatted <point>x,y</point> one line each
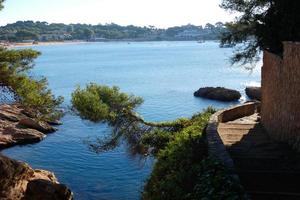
<point>30,44</point>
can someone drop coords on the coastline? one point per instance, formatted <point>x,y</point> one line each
<point>58,150</point>
<point>30,44</point>
<point>18,180</point>
<point>70,42</point>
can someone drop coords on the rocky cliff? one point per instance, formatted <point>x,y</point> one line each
<point>18,180</point>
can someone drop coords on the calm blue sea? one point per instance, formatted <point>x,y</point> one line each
<point>165,74</point>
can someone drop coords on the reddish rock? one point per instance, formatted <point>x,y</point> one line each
<point>17,128</point>
<point>19,181</point>
<point>46,190</point>
<point>38,125</point>
<point>11,135</point>
<point>54,123</point>
<point>11,112</point>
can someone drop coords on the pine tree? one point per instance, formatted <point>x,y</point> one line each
<point>262,25</point>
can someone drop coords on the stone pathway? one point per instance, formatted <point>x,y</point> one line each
<point>267,169</point>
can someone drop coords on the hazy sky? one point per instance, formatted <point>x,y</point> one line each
<point>160,13</point>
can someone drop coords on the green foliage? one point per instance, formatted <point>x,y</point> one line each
<point>26,35</point>
<point>179,146</point>
<point>88,33</point>
<point>183,170</point>
<point>263,25</point>
<point>102,103</point>
<point>109,105</point>
<point>43,31</point>
<point>159,138</point>
<point>178,164</point>
<point>214,182</point>
<point>31,93</point>
<point>1,4</point>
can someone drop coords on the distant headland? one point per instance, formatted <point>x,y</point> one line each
<point>29,32</point>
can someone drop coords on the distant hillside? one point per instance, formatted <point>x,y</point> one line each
<point>42,31</point>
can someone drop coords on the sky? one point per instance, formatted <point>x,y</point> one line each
<point>159,13</point>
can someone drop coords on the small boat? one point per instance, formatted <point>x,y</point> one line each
<point>226,46</point>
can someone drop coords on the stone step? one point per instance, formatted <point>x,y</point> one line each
<point>254,195</point>
<point>248,152</point>
<point>229,125</point>
<point>270,182</point>
<point>270,162</point>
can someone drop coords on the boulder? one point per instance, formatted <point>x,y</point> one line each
<point>12,135</point>
<point>17,180</point>
<point>8,116</point>
<point>46,190</point>
<point>11,112</point>
<point>38,125</point>
<point>16,127</point>
<point>218,93</point>
<point>253,93</point>
<point>54,123</point>
<point>21,182</point>
<point>28,113</point>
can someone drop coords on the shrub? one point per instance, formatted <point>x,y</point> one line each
<point>173,176</point>
<point>214,182</point>
<point>184,171</point>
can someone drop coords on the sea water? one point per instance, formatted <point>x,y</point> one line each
<point>165,74</point>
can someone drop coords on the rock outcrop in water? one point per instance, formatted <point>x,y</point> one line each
<point>21,182</point>
<point>18,181</point>
<point>19,127</point>
<point>253,93</point>
<point>218,93</point>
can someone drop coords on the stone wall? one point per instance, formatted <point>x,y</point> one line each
<point>280,109</point>
<point>216,147</point>
<point>239,111</point>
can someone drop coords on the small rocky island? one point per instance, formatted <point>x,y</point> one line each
<point>218,93</point>
<point>18,180</point>
<point>253,93</point>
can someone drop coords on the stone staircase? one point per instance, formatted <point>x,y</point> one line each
<point>267,169</point>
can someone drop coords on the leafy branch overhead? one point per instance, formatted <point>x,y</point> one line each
<point>262,25</point>
<point>109,105</point>
<point>1,4</point>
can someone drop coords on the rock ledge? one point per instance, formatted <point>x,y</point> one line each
<point>18,128</point>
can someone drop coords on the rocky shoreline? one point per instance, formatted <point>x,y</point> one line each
<point>19,180</point>
<point>18,126</point>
